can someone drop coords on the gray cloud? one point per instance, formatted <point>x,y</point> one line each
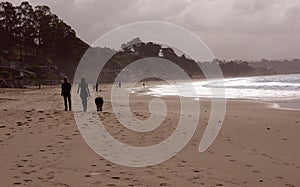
<point>233,29</point>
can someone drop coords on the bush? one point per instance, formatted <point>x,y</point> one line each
<point>5,74</point>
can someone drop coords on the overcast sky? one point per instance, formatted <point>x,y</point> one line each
<point>233,29</point>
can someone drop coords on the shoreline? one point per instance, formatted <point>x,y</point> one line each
<point>290,104</point>
<point>287,105</point>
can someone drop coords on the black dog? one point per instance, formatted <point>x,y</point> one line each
<point>99,103</point>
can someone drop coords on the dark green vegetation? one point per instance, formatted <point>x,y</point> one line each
<point>137,49</point>
<point>37,46</point>
<point>35,39</point>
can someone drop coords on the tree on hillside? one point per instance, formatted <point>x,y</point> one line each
<point>8,26</point>
<point>34,33</point>
<point>169,53</point>
<point>25,27</point>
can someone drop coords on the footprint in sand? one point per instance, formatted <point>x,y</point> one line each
<point>110,185</point>
<point>2,126</point>
<point>50,175</point>
<point>19,123</point>
<point>278,177</point>
<point>26,172</point>
<point>27,180</point>
<point>115,177</point>
<point>31,166</point>
<point>97,183</point>
<point>197,171</point>
<point>255,171</point>
<point>290,185</point>
<point>164,184</point>
<point>20,166</point>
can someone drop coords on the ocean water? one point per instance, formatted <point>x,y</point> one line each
<point>262,88</point>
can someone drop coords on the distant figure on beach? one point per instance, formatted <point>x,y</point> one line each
<point>84,93</point>
<point>119,85</point>
<point>144,84</point>
<point>66,93</point>
<point>97,87</point>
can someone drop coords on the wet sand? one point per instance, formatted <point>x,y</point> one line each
<point>40,145</point>
<point>288,104</point>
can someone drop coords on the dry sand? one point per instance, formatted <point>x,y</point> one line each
<point>40,145</point>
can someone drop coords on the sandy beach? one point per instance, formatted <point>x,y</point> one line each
<point>40,145</point>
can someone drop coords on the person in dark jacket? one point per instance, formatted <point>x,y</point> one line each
<point>66,93</point>
<point>97,85</point>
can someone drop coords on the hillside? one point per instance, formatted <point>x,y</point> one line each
<point>34,39</point>
<point>278,66</point>
<point>38,47</point>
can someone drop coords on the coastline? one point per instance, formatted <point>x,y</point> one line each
<point>287,105</point>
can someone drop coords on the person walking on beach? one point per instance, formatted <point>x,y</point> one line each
<point>66,93</point>
<point>84,93</point>
<point>97,85</point>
